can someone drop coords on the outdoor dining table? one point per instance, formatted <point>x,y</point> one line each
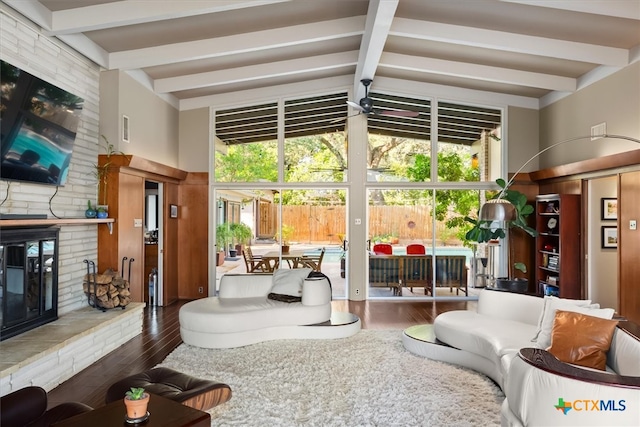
<point>272,258</point>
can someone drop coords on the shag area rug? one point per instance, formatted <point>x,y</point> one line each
<point>368,379</point>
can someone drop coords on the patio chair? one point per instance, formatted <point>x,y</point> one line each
<point>313,262</point>
<point>416,272</point>
<point>382,249</point>
<point>385,272</point>
<point>451,270</point>
<point>255,264</point>
<point>416,249</point>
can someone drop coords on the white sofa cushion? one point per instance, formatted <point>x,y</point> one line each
<point>486,336</point>
<point>550,302</point>
<point>245,286</point>
<point>624,355</point>
<point>510,306</point>
<point>289,281</point>
<point>229,315</point>
<point>544,337</point>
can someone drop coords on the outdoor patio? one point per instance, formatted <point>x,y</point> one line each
<point>331,267</point>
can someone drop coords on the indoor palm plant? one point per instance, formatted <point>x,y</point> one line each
<point>485,231</point>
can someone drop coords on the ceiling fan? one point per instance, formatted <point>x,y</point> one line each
<point>366,105</point>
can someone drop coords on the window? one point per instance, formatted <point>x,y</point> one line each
<point>246,144</point>
<point>315,143</point>
<point>315,146</point>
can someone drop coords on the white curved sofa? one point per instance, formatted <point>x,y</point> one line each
<point>242,314</point>
<point>496,340</point>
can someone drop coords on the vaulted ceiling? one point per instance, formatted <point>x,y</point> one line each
<point>196,52</point>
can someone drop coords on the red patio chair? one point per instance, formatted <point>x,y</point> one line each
<point>382,249</point>
<point>416,249</point>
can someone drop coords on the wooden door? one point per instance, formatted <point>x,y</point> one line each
<point>629,246</point>
<point>170,247</point>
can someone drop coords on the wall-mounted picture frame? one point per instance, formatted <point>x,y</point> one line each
<point>609,208</point>
<point>173,211</point>
<point>609,237</point>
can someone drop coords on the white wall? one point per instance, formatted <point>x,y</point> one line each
<point>194,140</point>
<point>602,265</point>
<point>614,100</point>
<point>22,46</point>
<point>522,129</point>
<point>153,123</point>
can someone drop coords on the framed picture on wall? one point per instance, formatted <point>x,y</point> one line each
<point>173,211</point>
<point>609,237</point>
<point>609,208</point>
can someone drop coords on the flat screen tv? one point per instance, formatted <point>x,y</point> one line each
<point>39,123</point>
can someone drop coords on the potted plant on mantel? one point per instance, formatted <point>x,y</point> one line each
<point>485,231</point>
<point>136,402</point>
<point>101,172</point>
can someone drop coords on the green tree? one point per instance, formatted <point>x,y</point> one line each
<point>248,163</point>
<point>451,206</point>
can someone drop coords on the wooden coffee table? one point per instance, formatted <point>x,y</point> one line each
<point>163,413</point>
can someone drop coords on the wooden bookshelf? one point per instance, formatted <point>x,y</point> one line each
<point>558,245</point>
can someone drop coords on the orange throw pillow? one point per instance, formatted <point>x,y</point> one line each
<point>581,340</point>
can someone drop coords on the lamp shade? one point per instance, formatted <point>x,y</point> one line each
<point>497,210</point>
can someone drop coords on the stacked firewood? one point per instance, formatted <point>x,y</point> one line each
<point>107,290</point>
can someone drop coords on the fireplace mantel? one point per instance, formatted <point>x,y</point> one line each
<point>56,221</point>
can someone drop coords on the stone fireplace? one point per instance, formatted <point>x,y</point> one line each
<point>28,279</point>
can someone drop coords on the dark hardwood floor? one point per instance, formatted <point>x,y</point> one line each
<point>161,335</point>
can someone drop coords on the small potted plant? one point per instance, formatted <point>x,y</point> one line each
<point>223,239</point>
<point>286,234</point>
<point>241,234</point>
<point>90,212</point>
<point>101,169</point>
<point>136,401</point>
<point>102,211</point>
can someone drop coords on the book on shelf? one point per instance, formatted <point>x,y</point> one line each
<point>553,280</point>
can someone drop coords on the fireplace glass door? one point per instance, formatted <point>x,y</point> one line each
<point>28,279</point>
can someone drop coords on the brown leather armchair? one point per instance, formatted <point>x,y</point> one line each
<point>27,407</point>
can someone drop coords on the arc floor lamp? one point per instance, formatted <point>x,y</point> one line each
<point>500,209</point>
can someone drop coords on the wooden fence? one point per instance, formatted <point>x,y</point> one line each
<point>327,224</point>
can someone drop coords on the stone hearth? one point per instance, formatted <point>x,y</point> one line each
<point>51,354</point>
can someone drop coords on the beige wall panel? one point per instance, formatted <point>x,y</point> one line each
<point>153,123</point>
<point>614,100</point>
<point>194,140</point>
<point>522,131</point>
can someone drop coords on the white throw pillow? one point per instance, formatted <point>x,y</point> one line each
<point>544,338</point>
<point>289,281</point>
<point>549,300</point>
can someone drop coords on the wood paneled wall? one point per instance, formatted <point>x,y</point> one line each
<point>523,244</point>
<point>571,186</point>
<point>568,179</point>
<point>193,260</point>
<point>125,197</point>
<point>629,246</point>
<point>170,251</point>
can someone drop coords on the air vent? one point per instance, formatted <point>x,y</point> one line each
<point>600,129</point>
